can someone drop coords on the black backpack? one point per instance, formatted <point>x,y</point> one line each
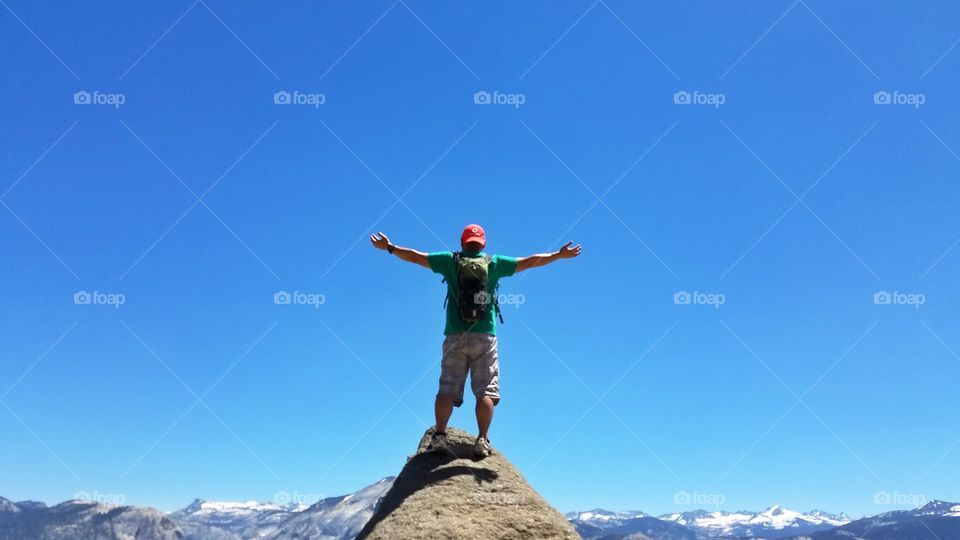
<point>472,298</point>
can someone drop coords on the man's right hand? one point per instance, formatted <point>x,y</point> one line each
<point>380,240</point>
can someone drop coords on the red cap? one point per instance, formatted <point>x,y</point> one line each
<point>473,233</point>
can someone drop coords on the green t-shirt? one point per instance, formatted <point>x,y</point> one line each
<point>442,263</point>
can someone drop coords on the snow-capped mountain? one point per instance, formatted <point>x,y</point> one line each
<point>774,522</point>
<point>334,518</point>
<point>8,506</point>
<point>939,509</point>
<point>827,516</point>
<point>339,518</point>
<point>599,523</point>
<point>601,515</point>
<point>936,519</point>
<point>228,520</point>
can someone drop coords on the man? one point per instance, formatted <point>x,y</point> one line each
<point>471,333</point>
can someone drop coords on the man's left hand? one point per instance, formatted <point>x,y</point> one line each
<point>569,251</point>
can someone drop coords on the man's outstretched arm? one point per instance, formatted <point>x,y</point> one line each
<point>380,241</point>
<point>568,251</point>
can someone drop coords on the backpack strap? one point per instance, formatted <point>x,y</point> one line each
<point>495,291</point>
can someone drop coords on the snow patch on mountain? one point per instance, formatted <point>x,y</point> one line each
<point>334,518</point>
<point>8,506</point>
<point>598,514</point>
<point>774,522</point>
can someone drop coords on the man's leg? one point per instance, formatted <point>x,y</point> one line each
<point>484,415</point>
<point>453,376</point>
<point>485,383</point>
<point>442,409</point>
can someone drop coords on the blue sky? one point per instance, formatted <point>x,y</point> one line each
<point>782,194</point>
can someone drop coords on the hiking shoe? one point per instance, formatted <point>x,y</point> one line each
<point>438,443</point>
<point>482,448</point>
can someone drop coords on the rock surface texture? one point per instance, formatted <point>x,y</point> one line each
<point>451,495</point>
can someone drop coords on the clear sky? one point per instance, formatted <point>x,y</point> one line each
<point>782,189</point>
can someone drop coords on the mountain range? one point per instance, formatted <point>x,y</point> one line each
<point>342,518</point>
<point>936,519</point>
<point>774,523</point>
<point>334,518</point>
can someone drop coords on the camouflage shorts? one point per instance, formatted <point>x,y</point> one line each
<point>475,352</point>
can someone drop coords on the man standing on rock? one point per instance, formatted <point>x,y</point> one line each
<point>470,345</point>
